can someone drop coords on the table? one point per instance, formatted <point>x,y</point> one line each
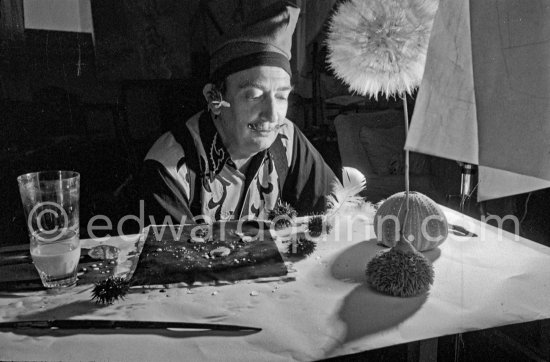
<point>323,308</point>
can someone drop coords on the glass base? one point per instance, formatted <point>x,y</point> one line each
<point>65,281</point>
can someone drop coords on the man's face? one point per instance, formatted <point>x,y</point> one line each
<point>259,102</point>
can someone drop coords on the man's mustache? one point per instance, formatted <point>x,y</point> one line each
<point>254,126</point>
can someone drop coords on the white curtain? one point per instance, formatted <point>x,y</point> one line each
<point>485,95</point>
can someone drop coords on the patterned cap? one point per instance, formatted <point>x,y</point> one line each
<point>247,33</point>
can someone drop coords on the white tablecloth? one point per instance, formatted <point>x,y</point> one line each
<point>323,308</point>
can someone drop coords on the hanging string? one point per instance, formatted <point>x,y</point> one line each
<point>406,114</point>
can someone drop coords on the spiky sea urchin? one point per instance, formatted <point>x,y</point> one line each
<point>317,224</point>
<point>283,215</point>
<point>301,247</point>
<point>400,272</point>
<point>109,290</point>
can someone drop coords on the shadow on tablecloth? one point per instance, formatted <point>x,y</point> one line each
<point>351,263</point>
<point>64,311</point>
<point>365,311</point>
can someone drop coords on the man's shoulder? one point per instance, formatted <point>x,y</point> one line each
<point>168,149</point>
<point>165,150</point>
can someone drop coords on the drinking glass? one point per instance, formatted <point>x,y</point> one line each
<point>50,201</point>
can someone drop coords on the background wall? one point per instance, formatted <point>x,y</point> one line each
<point>88,85</point>
<point>62,15</point>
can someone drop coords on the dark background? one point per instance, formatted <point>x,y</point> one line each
<point>67,103</point>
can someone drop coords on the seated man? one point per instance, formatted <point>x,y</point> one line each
<point>241,156</point>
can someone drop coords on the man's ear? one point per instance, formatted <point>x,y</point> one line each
<point>213,97</point>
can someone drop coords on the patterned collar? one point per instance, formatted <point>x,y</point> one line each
<point>216,153</point>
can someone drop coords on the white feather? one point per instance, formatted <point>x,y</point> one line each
<point>346,194</point>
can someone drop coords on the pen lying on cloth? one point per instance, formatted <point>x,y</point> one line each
<point>119,324</point>
<point>460,231</point>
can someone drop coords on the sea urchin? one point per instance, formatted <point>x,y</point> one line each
<point>400,271</point>
<point>109,290</point>
<point>317,225</point>
<point>282,215</point>
<point>301,247</point>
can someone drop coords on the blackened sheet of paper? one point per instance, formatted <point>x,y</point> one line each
<point>170,255</point>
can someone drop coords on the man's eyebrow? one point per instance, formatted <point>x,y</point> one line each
<point>285,88</point>
<point>249,83</point>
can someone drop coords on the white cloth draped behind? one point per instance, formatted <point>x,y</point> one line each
<point>485,95</point>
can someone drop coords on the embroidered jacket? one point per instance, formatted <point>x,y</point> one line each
<point>188,172</point>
